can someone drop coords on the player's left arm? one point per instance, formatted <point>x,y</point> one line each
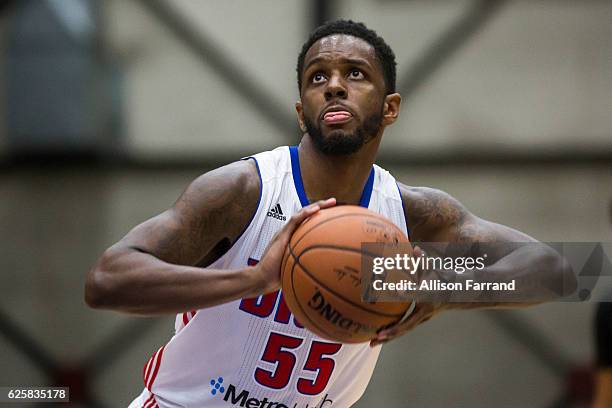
<point>435,216</point>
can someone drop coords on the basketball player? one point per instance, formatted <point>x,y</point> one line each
<point>214,257</point>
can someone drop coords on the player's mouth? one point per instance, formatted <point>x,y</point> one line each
<point>336,116</point>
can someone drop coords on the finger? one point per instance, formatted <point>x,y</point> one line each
<point>330,202</point>
<point>297,218</point>
<point>323,203</point>
<point>300,216</point>
<point>383,336</point>
<point>395,330</point>
<point>417,317</point>
<point>310,210</point>
<point>294,222</point>
<point>376,342</point>
<point>417,251</point>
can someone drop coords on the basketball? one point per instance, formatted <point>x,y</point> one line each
<point>321,274</point>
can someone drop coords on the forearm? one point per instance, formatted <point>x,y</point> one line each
<point>538,272</point>
<point>131,281</point>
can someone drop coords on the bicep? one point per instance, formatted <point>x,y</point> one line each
<point>214,208</point>
<point>438,217</point>
<point>168,237</point>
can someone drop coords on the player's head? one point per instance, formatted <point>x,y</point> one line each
<point>345,67</point>
<point>384,53</point>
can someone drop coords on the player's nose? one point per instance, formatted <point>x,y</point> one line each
<point>336,88</point>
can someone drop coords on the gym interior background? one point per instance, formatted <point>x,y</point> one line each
<point>109,108</point>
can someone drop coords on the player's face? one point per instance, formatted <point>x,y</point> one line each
<point>342,95</point>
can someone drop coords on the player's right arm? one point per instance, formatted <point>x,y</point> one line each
<point>157,267</point>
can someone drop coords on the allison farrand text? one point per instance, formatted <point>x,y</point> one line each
<point>439,285</point>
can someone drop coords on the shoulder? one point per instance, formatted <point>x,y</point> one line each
<point>429,210</point>
<point>223,199</point>
<point>240,178</point>
<point>241,174</point>
<point>207,217</point>
<point>431,197</point>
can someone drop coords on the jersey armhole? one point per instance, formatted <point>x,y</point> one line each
<point>261,187</point>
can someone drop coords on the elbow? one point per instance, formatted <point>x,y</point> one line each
<point>567,282</point>
<point>96,291</point>
<point>100,287</point>
<point>570,282</point>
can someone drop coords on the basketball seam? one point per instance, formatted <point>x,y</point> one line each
<point>347,248</point>
<point>297,261</point>
<point>374,216</point>
<point>297,301</point>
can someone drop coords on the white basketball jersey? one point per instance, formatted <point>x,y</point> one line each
<point>251,352</point>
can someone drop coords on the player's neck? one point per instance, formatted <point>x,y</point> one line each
<point>342,177</point>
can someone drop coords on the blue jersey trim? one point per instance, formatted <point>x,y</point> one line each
<point>258,200</point>
<point>297,175</point>
<point>367,190</point>
<point>404,210</point>
<point>299,185</point>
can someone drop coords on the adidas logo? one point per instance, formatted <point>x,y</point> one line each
<point>277,212</point>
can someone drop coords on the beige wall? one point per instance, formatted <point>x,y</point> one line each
<point>534,79</point>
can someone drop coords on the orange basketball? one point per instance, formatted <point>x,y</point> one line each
<point>322,274</point>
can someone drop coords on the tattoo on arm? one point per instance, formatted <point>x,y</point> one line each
<point>435,216</point>
<point>207,218</point>
<point>432,214</point>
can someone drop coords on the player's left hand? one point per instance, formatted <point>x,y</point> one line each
<point>421,313</point>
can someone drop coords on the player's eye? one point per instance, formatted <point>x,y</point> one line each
<point>318,78</point>
<point>356,74</point>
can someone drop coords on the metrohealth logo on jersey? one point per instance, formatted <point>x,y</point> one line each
<point>243,399</point>
<point>277,212</point>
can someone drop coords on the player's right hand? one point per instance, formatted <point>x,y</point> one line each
<point>268,271</point>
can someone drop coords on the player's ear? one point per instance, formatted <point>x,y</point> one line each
<point>300,115</point>
<point>391,108</point>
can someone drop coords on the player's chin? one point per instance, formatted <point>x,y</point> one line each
<point>349,126</point>
<point>341,142</point>
<point>337,134</point>
<point>344,131</point>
